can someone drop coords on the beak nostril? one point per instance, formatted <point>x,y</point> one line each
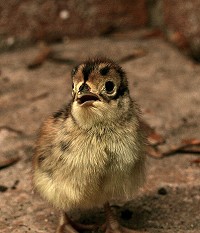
<point>84,88</point>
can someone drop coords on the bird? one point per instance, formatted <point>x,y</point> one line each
<point>91,152</point>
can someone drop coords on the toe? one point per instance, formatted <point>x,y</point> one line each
<point>70,229</point>
<point>120,229</point>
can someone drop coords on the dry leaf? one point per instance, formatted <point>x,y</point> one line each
<point>196,161</point>
<point>43,54</point>
<point>135,54</point>
<point>154,153</point>
<point>185,147</point>
<point>4,163</point>
<point>155,139</point>
<point>152,34</point>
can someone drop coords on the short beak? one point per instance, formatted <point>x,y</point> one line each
<point>86,97</point>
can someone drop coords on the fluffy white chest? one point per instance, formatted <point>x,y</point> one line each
<point>103,152</point>
<point>95,169</point>
<point>103,163</point>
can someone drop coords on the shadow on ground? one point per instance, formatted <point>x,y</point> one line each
<point>168,209</point>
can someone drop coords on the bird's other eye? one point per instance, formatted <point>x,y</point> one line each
<point>109,86</point>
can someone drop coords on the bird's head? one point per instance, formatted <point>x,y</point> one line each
<point>100,91</point>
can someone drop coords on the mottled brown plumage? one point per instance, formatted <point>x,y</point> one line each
<point>91,152</point>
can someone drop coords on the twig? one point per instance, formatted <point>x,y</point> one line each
<point>63,60</point>
<point>40,58</point>
<point>196,161</point>
<point>187,146</point>
<point>153,137</point>
<point>8,162</point>
<point>153,152</point>
<point>41,96</point>
<point>8,128</point>
<point>135,54</point>
<point>183,148</point>
<point>152,34</point>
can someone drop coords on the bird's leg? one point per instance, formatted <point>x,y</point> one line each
<point>65,225</point>
<point>68,226</point>
<point>112,225</point>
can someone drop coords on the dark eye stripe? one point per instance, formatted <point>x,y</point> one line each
<point>104,71</point>
<point>87,69</point>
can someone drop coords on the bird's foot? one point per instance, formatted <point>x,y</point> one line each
<point>75,228</point>
<point>66,228</point>
<point>84,227</point>
<point>120,229</point>
<point>112,225</point>
<point>115,227</point>
<point>66,225</point>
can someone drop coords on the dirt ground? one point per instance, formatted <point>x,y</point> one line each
<point>165,83</point>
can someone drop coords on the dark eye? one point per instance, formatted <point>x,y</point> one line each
<point>109,86</point>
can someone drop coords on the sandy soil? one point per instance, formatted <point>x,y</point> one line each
<point>164,83</point>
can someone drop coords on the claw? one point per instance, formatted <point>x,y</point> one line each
<point>66,225</point>
<point>112,225</point>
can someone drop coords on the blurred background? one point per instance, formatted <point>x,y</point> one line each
<point>26,22</point>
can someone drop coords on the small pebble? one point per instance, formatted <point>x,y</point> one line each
<point>64,14</point>
<point>3,188</point>
<point>15,184</point>
<point>10,41</point>
<point>162,191</point>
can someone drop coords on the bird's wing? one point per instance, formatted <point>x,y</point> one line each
<point>48,133</point>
